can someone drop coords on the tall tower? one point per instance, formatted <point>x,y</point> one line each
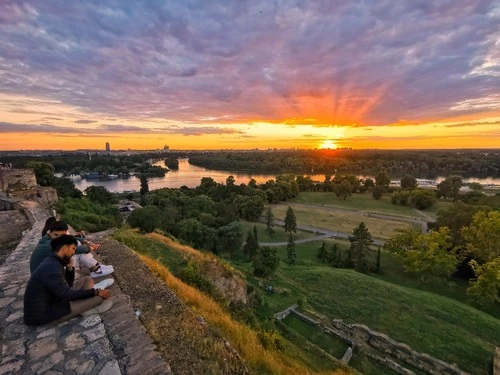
<point>107,147</point>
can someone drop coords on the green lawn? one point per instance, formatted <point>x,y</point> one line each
<point>279,233</point>
<point>357,201</point>
<point>365,202</point>
<point>440,326</point>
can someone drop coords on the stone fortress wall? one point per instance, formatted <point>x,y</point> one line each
<point>17,186</point>
<point>17,179</point>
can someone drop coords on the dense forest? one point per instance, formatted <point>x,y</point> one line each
<point>423,164</point>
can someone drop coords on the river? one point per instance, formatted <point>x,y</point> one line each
<point>190,176</point>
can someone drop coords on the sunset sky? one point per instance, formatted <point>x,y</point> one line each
<point>198,74</point>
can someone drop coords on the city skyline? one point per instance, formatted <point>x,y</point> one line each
<point>245,75</point>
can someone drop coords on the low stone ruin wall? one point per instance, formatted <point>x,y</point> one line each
<point>283,314</point>
<point>371,342</point>
<point>364,336</point>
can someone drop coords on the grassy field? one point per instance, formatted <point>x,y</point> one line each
<point>279,233</point>
<point>342,221</point>
<point>365,202</point>
<point>430,323</point>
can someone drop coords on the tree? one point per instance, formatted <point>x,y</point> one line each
<point>269,221</point>
<point>425,254</point>
<point>378,192</point>
<point>44,172</point>
<point>368,183</point>
<point>475,186</point>
<point>485,289</point>
<point>409,182</point>
<point>483,236</point>
<point>361,240</point>
<point>251,246</point>
<point>230,237</point>
<point>290,221</point>
<point>66,188</point>
<point>422,199</point>
<point>377,264</point>
<point>172,163</point>
<point>382,179</point>
<point>99,194</point>
<point>146,218</point>
<point>290,251</point>
<point>450,187</point>
<point>144,185</point>
<point>249,207</point>
<point>343,190</point>
<point>323,254</point>
<point>266,262</point>
<point>455,217</point>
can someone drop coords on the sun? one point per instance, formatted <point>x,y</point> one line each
<point>328,144</point>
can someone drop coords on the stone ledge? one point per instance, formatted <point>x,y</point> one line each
<point>81,346</point>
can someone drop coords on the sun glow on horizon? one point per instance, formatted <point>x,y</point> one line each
<point>328,144</point>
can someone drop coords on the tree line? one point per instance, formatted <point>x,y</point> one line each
<point>426,164</point>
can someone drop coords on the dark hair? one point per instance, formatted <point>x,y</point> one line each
<point>59,242</point>
<point>58,226</point>
<point>48,224</point>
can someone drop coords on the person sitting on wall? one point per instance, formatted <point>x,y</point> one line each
<point>83,256</point>
<point>52,295</point>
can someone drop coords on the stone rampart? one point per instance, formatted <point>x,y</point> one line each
<point>17,179</point>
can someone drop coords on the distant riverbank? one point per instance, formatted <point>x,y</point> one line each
<point>190,175</point>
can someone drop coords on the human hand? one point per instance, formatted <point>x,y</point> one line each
<point>94,246</point>
<point>104,293</point>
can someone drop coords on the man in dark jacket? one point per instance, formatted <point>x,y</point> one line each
<point>83,256</point>
<point>51,295</point>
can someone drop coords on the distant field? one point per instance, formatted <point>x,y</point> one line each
<point>342,221</point>
<point>365,202</point>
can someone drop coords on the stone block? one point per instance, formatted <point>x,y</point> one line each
<point>90,321</point>
<point>110,368</point>
<point>74,341</point>
<point>41,348</point>
<point>48,363</point>
<point>95,333</point>
<point>11,368</point>
<point>85,368</point>
<point>15,316</point>
<point>99,349</point>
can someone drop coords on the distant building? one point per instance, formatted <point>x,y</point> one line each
<point>166,148</point>
<point>107,147</point>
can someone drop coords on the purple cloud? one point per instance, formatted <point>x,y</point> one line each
<point>322,62</point>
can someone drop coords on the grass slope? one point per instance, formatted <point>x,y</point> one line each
<point>430,323</point>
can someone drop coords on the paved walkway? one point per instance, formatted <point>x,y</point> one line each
<point>111,343</point>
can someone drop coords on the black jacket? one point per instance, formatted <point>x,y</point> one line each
<point>49,291</point>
